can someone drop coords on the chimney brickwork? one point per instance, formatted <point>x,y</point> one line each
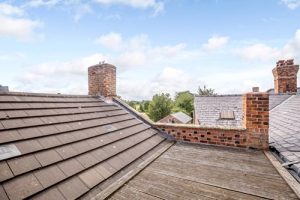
<point>285,76</point>
<point>102,80</point>
<point>256,118</point>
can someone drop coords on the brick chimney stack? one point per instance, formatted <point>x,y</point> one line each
<point>285,76</point>
<point>102,80</point>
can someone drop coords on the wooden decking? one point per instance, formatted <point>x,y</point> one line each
<point>201,172</point>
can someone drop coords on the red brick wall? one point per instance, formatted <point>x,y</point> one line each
<point>102,80</point>
<point>253,133</point>
<point>197,134</point>
<point>285,76</point>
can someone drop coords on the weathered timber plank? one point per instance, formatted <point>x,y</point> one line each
<point>184,189</point>
<point>242,167</point>
<point>130,193</point>
<point>205,172</point>
<point>228,179</point>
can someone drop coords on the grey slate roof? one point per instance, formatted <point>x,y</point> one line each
<point>271,91</point>
<point>67,146</point>
<point>285,131</point>
<point>208,108</point>
<point>184,118</point>
<point>277,99</point>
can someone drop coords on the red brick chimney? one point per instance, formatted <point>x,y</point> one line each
<point>256,119</point>
<point>102,80</point>
<point>285,76</point>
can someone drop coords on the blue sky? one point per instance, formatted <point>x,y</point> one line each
<point>157,45</point>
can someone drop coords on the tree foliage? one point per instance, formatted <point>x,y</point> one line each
<point>160,106</point>
<point>184,101</point>
<point>206,91</point>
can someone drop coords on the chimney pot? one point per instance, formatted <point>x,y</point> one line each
<point>255,89</point>
<point>4,88</point>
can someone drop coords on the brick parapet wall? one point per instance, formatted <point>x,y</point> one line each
<point>209,135</point>
<point>252,134</point>
<point>102,80</point>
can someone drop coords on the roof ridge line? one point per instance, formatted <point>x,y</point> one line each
<point>292,96</point>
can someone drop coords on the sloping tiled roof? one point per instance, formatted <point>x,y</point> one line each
<point>272,91</point>
<point>285,131</point>
<point>277,99</point>
<point>208,108</point>
<point>66,147</point>
<point>184,118</point>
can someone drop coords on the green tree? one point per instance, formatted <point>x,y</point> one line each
<point>184,101</point>
<point>206,91</point>
<point>160,106</point>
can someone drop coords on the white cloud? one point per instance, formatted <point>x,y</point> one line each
<point>39,3</point>
<point>264,52</point>
<point>14,25</point>
<point>258,51</point>
<point>111,41</point>
<point>158,6</point>
<point>19,28</point>
<point>291,4</point>
<point>216,42</point>
<point>292,48</point>
<point>7,9</point>
<point>168,80</point>
<point>77,8</point>
<point>132,53</point>
<point>81,10</point>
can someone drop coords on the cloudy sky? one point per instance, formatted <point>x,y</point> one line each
<point>157,45</point>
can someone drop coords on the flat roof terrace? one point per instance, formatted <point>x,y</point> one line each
<point>207,172</point>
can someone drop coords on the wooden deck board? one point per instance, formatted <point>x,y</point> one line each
<point>201,172</point>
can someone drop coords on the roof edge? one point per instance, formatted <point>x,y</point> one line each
<point>238,128</point>
<point>219,95</point>
<point>32,94</point>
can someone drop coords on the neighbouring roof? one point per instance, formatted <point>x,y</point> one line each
<point>184,118</point>
<point>208,109</point>
<point>67,146</point>
<point>285,132</point>
<point>207,172</point>
<point>271,91</point>
<point>284,127</point>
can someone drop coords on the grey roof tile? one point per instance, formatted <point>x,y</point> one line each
<point>70,167</point>
<point>49,175</point>
<point>72,188</point>
<point>50,194</point>
<point>48,157</point>
<point>5,172</point>
<point>22,187</point>
<point>23,164</point>
<point>66,143</point>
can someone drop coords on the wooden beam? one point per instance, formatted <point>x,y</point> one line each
<point>290,180</point>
